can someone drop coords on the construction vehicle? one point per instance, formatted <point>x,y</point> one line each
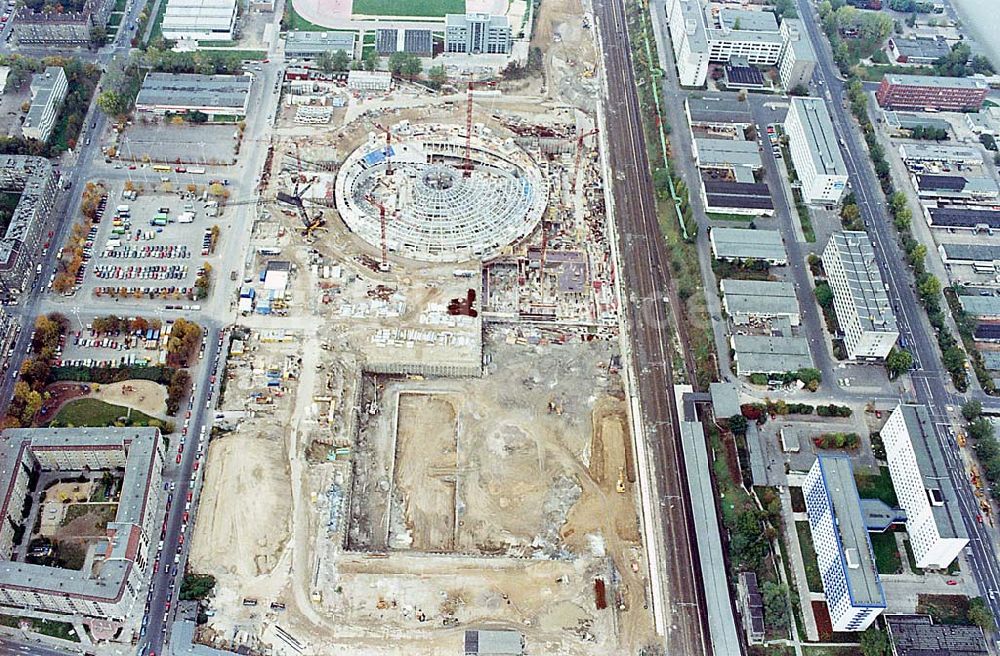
<point>620,485</point>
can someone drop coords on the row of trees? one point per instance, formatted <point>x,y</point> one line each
<point>71,263</point>
<point>980,431</point>
<point>182,345</point>
<point>29,392</point>
<point>177,390</point>
<point>960,62</point>
<point>929,133</point>
<point>117,325</point>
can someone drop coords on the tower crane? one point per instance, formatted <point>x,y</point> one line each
<point>579,154</point>
<point>384,263</point>
<point>388,147</point>
<point>468,131</point>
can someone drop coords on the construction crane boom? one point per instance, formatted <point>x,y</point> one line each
<point>388,147</point>
<point>468,131</point>
<point>384,264</point>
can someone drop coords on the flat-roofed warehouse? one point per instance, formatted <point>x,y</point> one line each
<point>215,95</point>
<point>209,20</point>
<point>746,300</point>
<point>413,42</point>
<point>986,308</point>
<point>970,254</point>
<point>956,189</point>
<point>747,244</point>
<point>907,121</point>
<point>740,157</point>
<point>918,635</point>
<point>750,198</point>
<point>963,218</point>
<point>921,153</point>
<point>767,354</point>
<point>713,110</point>
<point>309,45</point>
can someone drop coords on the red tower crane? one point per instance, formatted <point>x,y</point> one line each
<point>468,130</point>
<point>579,154</point>
<point>388,148</point>
<point>384,264</point>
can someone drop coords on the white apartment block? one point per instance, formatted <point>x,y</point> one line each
<point>48,90</point>
<point>851,583</point>
<point>859,296</point>
<point>686,22</point>
<point>813,145</point>
<point>924,489</point>
<point>798,59</point>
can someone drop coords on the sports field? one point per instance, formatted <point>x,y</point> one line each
<point>407,7</point>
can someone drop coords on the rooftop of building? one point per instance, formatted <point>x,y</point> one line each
<point>694,22</point>
<point>29,176</point>
<point>748,243</point>
<point>926,151</point>
<point>963,217</point>
<point>910,120</point>
<point>759,297</point>
<point>461,20</point>
<point>798,39</point>
<point>320,41</point>
<point>140,445</point>
<point>918,635</point>
<point>858,562</point>
<point>980,185</point>
<point>771,353</point>
<point>971,252</point>
<point>864,280</point>
<point>193,90</point>
<point>725,399</point>
<point>727,152</point>
<point>929,48</point>
<point>981,306</point>
<point>494,642</point>
<point>934,470</point>
<point>734,19</point>
<point>714,109</point>
<point>934,81</point>
<point>820,136</point>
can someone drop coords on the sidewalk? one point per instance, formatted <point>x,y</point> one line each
<point>797,568</point>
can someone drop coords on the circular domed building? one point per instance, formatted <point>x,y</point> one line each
<point>435,210</point>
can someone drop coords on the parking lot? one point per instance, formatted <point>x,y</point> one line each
<point>152,247</point>
<point>140,345</point>
<point>185,143</point>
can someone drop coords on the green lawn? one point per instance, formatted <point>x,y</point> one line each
<point>52,628</point>
<point>408,7</point>
<point>887,558</point>
<point>105,513</point>
<point>813,579</point>
<point>295,23</point>
<point>722,216</point>
<point>92,412</point>
<point>847,650</point>
<point>910,558</point>
<point>877,487</point>
<point>157,30</point>
<point>945,609</point>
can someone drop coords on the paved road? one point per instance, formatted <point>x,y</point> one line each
<point>645,271</point>
<point>14,647</point>
<point>930,381</point>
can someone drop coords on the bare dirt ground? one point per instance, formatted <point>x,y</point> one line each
<point>142,395</point>
<point>425,472</point>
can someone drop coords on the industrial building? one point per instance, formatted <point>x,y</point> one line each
<point>493,643</point>
<point>754,300</point>
<point>977,255</point>
<point>309,45</point>
<point>915,154</point>
<point>860,298</point>
<point>903,123</point>
<point>921,92</point>
<point>853,590</point>
<point>686,22</point>
<point>369,80</point>
<point>923,486</point>
<point>963,218</point>
<point>770,354</point>
<point>60,29</point>
<point>419,42</point>
<point>955,189</point>
<point>985,121</point>
<point>798,59</point>
<point>48,91</point>
<point>751,607</point>
<point>813,146</point>
<point>439,213</point>
<point>918,635</point>
<point>983,308</point>
<point>477,34</point>
<point>750,198</point>
<point>36,180</point>
<point>207,20</point>
<point>747,244</point>
<point>916,50</point>
<point>215,95</point>
<point>718,112</point>
<point>113,587</point>
<point>740,158</point>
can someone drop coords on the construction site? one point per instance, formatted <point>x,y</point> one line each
<point>423,428</point>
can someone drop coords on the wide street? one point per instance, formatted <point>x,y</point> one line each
<point>930,382</point>
<point>644,274</point>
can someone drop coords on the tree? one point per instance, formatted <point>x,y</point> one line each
<point>929,287</point>
<point>981,429</point>
<point>980,614</point>
<point>776,605</point>
<point>738,424</point>
<point>850,213</point>
<point>824,295</point>
<point>370,60</point>
<point>437,74</point>
<point>875,642</point>
<point>972,409</point>
<point>898,362</point>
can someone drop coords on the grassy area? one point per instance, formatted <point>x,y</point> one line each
<point>62,630</point>
<point>945,609</point>
<point>809,562</point>
<point>876,72</point>
<point>408,7</point>
<point>217,44</point>
<point>879,486</point>
<point>887,558</point>
<point>105,513</point>
<point>722,216</point>
<point>805,220</point>
<point>8,203</point>
<point>157,31</point>
<point>798,499</point>
<point>845,650</point>
<point>910,558</point>
<point>92,412</point>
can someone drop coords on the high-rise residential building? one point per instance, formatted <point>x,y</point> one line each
<point>798,59</point>
<point>930,92</point>
<point>859,296</point>
<point>923,486</point>
<point>853,590</point>
<point>813,145</point>
<point>48,90</point>
<point>35,179</point>
<point>477,34</point>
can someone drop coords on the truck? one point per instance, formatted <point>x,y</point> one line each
<point>232,274</point>
<point>159,221</point>
<point>197,170</point>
